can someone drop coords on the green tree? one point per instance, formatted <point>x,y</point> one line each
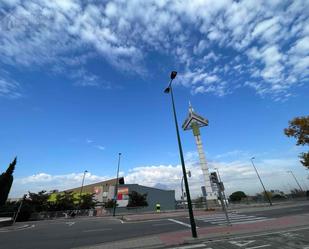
<point>39,201</point>
<point>299,129</point>
<point>6,180</point>
<point>88,201</point>
<point>66,201</point>
<point>237,196</point>
<point>137,200</point>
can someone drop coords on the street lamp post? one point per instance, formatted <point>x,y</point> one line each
<point>268,198</point>
<point>290,171</point>
<point>169,89</point>
<point>116,187</point>
<point>81,190</point>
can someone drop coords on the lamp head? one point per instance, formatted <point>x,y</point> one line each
<point>167,90</point>
<point>173,75</point>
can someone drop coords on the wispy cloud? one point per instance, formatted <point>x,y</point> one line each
<point>100,147</point>
<point>269,38</point>
<point>94,144</point>
<point>8,87</point>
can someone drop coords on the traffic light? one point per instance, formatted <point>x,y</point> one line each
<point>214,177</point>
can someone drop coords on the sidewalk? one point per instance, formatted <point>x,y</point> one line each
<point>184,236</point>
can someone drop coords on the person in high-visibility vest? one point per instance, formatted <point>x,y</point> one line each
<point>158,208</point>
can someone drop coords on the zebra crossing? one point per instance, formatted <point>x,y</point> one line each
<point>220,219</point>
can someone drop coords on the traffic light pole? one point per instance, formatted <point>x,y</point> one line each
<point>223,206</point>
<point>214,179</point>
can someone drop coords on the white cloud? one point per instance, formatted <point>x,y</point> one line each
<point>48,182</point>
<point>100,147</point>
<point>8,87</point>
<point>126,33</point>
<point>235,169</point>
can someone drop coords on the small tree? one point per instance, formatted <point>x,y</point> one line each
<point>39,201</point>
<point>66,201</point>
<point>237,196</point>
<point>299,129</point>
<point>87,201</point>
<point>137,200</point>
<point>6,180</point>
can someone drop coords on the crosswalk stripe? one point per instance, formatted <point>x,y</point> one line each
<point>223,217</point>
<point>243,218</point>
<point>249,221</point>
<point>191,246</point>
<point>238,220</point>
<point>220,219</point>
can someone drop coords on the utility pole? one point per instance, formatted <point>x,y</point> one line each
<point>81,191</point>
<point>290,171</point>
<point>116,187</point>
<point>266,194</point>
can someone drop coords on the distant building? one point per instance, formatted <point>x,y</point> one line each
<point>166,198</point>
<point>105,191</point>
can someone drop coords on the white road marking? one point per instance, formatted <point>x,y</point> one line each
<point>220,219</point>
<point>192,246</point>
<point>97,230</point>
<point>250,221</point>
<point>237,219</point>
<point>181,223</point>
<point>71,223</point>
<point>241,243</point>
<point>163,224</point>
<point>255,247</point>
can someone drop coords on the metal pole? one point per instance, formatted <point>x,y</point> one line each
<point>116,187</point>
<point>290,171</point>
<point>182,196</point>
<point>81,190</point>
<point>192,221</point>
<point>224,197</point>
<point>223,206</point>
<point>20,205</point>
<point>270,203</point>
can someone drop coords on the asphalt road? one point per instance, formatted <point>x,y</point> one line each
<point>248,216</point>
<point>288,239</point>
<point>70,233</point>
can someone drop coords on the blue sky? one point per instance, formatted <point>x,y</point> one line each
<point>80,82</point>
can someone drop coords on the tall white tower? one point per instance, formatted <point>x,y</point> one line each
<point>194,122</point>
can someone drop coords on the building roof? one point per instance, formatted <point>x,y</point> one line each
<point>89,187</point>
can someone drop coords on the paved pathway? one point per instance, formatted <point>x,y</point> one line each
<point>286,239</point>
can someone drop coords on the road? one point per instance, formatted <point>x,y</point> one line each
<point>70,233</point>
